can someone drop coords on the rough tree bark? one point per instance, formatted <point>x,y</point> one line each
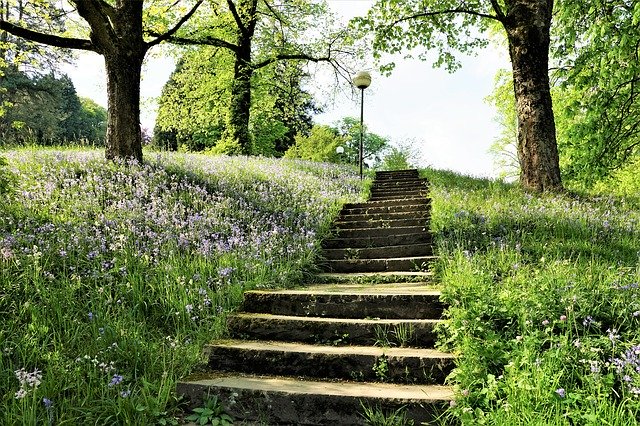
<point>527,24</point>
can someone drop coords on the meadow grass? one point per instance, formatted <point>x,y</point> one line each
<point>544,303</point>
<point>114,276</point>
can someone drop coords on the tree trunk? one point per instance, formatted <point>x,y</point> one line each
<point>237,131</point>
<point>124,136</point>
<point>527,25</point>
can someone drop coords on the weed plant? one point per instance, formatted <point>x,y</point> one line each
<point>544,303</point>
<point>113,276</point>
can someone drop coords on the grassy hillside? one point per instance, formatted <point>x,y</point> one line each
<point>113,276</point>
<point>545,305</point>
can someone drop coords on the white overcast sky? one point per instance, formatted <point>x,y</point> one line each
<point>446,114</point>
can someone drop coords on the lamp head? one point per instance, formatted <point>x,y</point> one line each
<point>362,80</point>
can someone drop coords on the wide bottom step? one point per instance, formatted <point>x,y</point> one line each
<point>285,401</point>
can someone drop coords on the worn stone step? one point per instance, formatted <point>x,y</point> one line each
<point>401,190</point>
<point>401,208</point>
<point>286,401</point>
<point>365,278</point>
<point>391,223</point>
<point>390,183</point>
<point>414,304</point>
<point>358,363</point>
<point>415,192</point>
<point>379,232</point>
<point>388,203</point>
<point>388,287</point>
<point>396,174</point>
<point>407,250</point>
<point>421,237</point>
<point>335,331</point>
<point>398,197</point>
<point>355,217</point>
<point>417,263</point>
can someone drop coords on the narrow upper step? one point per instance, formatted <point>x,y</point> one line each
<point>416,263</point>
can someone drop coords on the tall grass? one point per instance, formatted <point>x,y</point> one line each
<point>113,276</point>
<point>544,303</point>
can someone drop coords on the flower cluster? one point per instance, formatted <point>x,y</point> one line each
<point>28,381</point>
<point>627,367</point>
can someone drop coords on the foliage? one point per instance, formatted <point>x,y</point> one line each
<point>374,416</point>
<point>46,110</point>
<point>598,72</point>
<point>544,303</point>
<point>323,140</point>
<point>400,156</point>
<point>6,177</point>
<point>113,276</point>
<point>320,145</point>
<point>196,99</point>
<point>504,147</point>
<point>212,413</point>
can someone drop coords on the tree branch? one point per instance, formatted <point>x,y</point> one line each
<point>48,39</point>
<point>206,41</point>
<point>290,57</point>
<point>499,12</point>
<point>444,12</point>
<point>176,27</point>
<point>236,17</point>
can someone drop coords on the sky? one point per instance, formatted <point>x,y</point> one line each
<point>445,115</point>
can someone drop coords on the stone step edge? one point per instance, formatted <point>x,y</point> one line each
<point>349,292</point>
<point>357,350</point>
<point>293,386</point>
<point>328,320</point>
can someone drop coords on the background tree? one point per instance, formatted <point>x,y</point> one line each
<point>116,31</point>
<point>257,34</point>
<point>450,26</point>
<point>196,99</point>
<point>596,53</point>
<point>323,140</point>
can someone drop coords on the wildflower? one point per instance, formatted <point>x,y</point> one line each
<point>612,334</point>
<point>545,322</point>
<point>636,314</point>
<point>189,308</point>
<point>115,380</point>
<point>225,272</point>
<point>6,253</point>
<point>577,343</point>
<point>563,318</point>
<point>125,393</point>
<point>90,316</point>
<point>452,403</point>
<point>561,392</point>
<point>47,403</point>
<point>587,321</point>
<point>595,368</point>
<point>21,393</point>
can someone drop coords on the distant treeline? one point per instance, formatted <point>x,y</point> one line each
<point>46,110</point>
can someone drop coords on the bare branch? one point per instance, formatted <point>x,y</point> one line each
<point>48,39</point>
<point>443,12</point>
<point>202,41</point>
<point>499,12</point>
<point>176,27</point>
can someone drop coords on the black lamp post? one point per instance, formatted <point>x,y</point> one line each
<point>361,80</point>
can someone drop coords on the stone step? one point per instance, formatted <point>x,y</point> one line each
<point>287,401</point>
<point>406,196</point>
<point>417,263</point>
<point>396,174</point>
<point>383,288</point>
<point>357,363</point>
<point>378,278</point>
<point>381,223</point>
<point>347,303</point>
<point>399,183</point>
<point>421,237</point>
<point>354,217</point>
<point>334,331</point>
<point>400,190</point>
<point>413,192</point>
<point>407,250</point>
<point>402,208</point>
<point>389,203</point>
<point>379,232</point>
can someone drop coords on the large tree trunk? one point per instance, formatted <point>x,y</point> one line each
<point>527,25</point>
<point>124,136</point>
<point>237,131</point>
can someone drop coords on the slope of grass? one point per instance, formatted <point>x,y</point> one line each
<point>545,305</point>
<point>113,276</point>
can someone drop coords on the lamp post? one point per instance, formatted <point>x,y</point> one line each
<point>361,80</point>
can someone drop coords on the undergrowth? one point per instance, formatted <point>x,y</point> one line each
<point>544,303</point>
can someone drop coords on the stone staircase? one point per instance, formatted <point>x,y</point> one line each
<point>364,338</point>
